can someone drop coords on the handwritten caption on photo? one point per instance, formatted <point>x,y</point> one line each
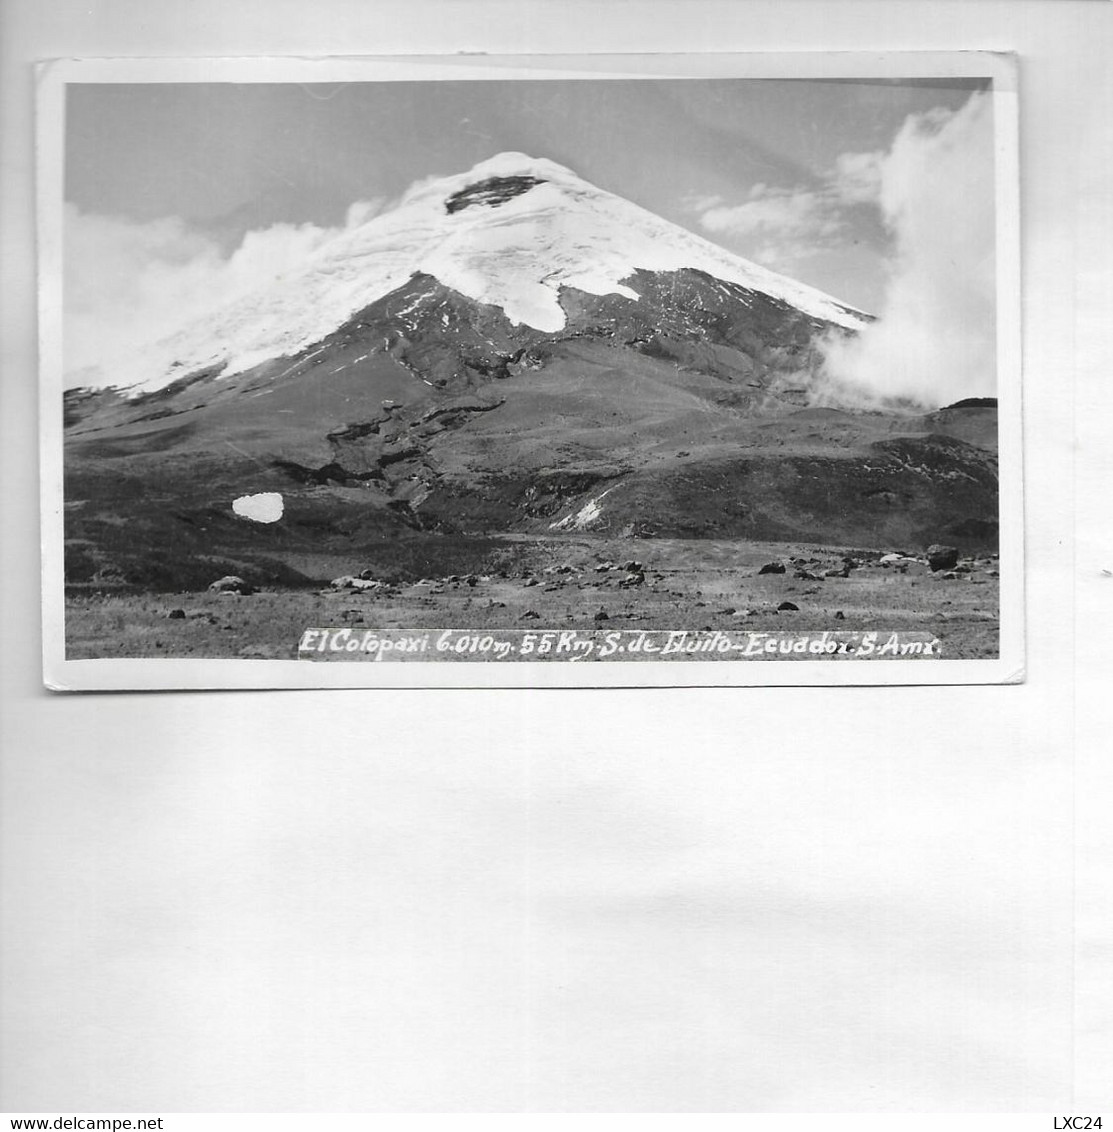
<point>573,645</point>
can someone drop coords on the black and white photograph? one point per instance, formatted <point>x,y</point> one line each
<point>556,564</point>
<point>441,364</point>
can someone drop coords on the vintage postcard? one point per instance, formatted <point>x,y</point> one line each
<point>584,370</point>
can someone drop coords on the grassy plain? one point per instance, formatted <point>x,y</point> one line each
<point>559,583</point>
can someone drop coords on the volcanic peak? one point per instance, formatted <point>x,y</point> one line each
<point>513,232</point>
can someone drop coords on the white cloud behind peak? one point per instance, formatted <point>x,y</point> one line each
<point>784,227</point>
<point>129,282</point>
<point>933,193</point>
<point>935,338</point>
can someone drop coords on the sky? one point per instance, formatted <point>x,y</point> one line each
<point>176,193</point>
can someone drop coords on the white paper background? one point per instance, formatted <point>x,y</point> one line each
<point>688,901</point>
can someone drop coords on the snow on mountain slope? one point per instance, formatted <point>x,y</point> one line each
<point>510,232</point>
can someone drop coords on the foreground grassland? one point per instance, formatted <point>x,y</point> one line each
<point>560,584</point>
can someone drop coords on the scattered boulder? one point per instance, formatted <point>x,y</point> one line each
<point>891,559</point>
<point>773,568</point>
<point>942,557</point>
<point>231,584</point>
<point>843,573</point>
<point>531,615</point>
<point>633,579</point>
<point>787,607</point>
<point>839,615</point>
<point>531,582</point>
<point>807,576</point>
<point>602,615</point>
<point>351,582</point>
<point>176,615</point>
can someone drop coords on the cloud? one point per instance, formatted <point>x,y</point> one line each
<point>700,202</point>
<point>128,283</point>
<point>857,177</point>
<point>782,227</point>
<point>934,341</point>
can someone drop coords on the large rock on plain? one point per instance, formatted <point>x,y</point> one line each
<point>351,582</point>
<point>942,557</point>
<point>231,584</point>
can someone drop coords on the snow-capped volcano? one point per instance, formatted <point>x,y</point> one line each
<point>510,351</point>
<point>514,233</point>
